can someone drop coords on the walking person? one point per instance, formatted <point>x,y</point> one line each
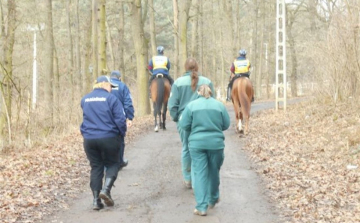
<point>183,91</point>
<point>103,128</point>
<point>122,92</point>
<point>206,119</point>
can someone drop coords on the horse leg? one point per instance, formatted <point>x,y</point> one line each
<point>237,116</point>
<point>155,114</point>
<point>164,115</point>
<point>160,121</point>
<point>246,125</point>
<point>240,121</point>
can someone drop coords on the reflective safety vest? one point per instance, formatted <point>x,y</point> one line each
<point>160,62</point>
<point>241,66</point>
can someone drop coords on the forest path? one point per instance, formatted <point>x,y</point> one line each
<point>150,188</point>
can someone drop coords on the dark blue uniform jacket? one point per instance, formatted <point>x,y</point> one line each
<point>103,115</point>
<point>123,94</point>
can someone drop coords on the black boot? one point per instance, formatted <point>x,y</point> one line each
<point>170,79</point>
<point>228,96</point>
<point>105,192</point>
<point>150,80</point>
<point>97,204</point>
<point>123,164</point>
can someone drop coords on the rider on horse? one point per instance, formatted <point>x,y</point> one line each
<point>239,68</point>
<point>160,64</point>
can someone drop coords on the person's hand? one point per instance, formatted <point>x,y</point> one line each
<point>129,123</point>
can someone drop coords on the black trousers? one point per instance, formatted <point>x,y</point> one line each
<point>101,153</point>
<point>122,149</point>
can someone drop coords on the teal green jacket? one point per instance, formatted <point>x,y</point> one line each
<point>181,94</point>
<point>206,119</point>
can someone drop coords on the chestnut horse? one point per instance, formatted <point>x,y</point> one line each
<point>242,93</point>
<point>160,92</point>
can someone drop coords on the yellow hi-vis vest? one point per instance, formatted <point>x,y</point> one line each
<point>241,66</point>
<point>160,62</point>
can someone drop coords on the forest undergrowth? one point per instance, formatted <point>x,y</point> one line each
<point>308,157</point>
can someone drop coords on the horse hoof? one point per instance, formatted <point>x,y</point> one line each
<point>156,129</point>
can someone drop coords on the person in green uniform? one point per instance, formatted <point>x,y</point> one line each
<point>206,119</point>
<point>183,91</point>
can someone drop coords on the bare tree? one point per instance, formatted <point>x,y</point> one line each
<point>176,38</point>
<point>77,49</point>
<point>6,69</point>
<point>184,7</point>
<point>71,51</point>
<point>152,27</point>
<point>122,41</point>
<point>94,32</point>
<point>140,52</point>
<point>49,60</point>
<point>194,29</point>
<point>88,73</point>
<point>102,37</point>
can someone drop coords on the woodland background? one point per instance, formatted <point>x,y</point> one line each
<point>78,40</point>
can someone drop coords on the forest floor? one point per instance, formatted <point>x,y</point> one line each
<point>307,157</point>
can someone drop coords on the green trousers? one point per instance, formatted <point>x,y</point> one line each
<point>185,155</point>
<point>206,169</point>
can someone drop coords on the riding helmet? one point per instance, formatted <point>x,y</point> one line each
<point>160,49</point>
<point>242,52</point>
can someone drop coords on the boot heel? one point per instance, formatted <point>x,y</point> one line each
<point>107,198</point>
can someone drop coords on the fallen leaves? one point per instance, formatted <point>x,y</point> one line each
<point>303,154</point>
<point>40,180</point>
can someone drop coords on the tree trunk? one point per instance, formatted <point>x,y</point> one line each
<point>184,7</point>
<point>194,29</point>
<point>175,63</point>
<point>49,61</point>
<point>71,52</point>
<point>95,45</point>
<point>2,25</point>
<point>88,72</point>
<point>201,36</point>
<point>140,52</point>
<point>77,48</point>
<point>261,52</point>
<point>56,87</point>
<point>152,28</point>
<point>6,71</point>
<point>121,43</point>
<point>111,50</point>
<point>102,40</point>
<point>254,52</point>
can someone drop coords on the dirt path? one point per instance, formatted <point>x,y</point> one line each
<point>150,188</point>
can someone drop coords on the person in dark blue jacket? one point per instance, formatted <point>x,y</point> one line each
<point>103,129</point>
<point>121,91</point>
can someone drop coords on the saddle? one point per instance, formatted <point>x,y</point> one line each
<point>238,76</point>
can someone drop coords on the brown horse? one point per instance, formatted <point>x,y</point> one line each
<point>242,93</point>
<point>160,92</point>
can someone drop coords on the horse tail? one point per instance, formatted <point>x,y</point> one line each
<point>160,95</point>
<point>243,97</point>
